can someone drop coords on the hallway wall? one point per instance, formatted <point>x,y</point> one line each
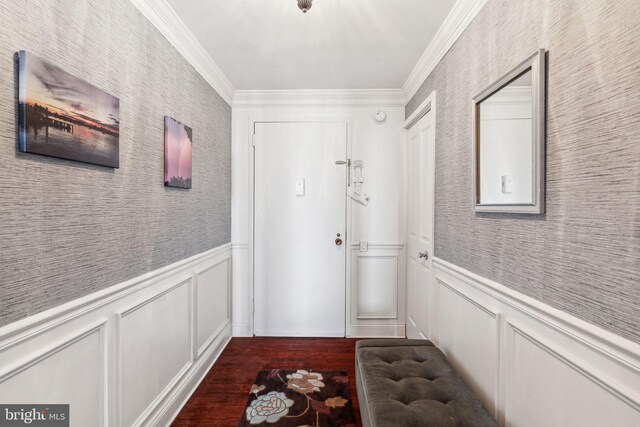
<point>69,229</point>
<point>582,256</point>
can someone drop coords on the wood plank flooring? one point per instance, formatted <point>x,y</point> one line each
<point>219,400</point>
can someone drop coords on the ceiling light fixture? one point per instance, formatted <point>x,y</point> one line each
<point>305,5</point>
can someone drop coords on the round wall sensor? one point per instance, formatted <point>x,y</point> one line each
<point>380,117</point>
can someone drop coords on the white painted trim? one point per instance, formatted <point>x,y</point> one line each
<point>610,362</point>
<point>32,340</point>
<point>394,246</point>
<point>167,21</point>
<point>380,324</point>
<point>319,98</point>
<point>452,28</point>
<point>396,257</point>
<point>426,106</point>
<point>39,356</point>
<point>623,351</point>
<point>378,330</point>
<point>304,333</point>
<point>241,329</point>
<point>41,322</point>
<point>198,351</point>
<point>120,315</point>
<point>42,354</point>
<point>240,250</point>
<point>169,409</point>
<point>498,319</point>
<point>515,327</point>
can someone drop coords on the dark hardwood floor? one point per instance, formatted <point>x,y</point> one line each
<point>220,398</point>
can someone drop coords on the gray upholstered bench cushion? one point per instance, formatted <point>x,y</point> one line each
<point>407,383</point>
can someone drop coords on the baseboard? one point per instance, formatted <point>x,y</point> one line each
<point>377,331</point>
<point>299,333</point>
<point>531,364</point>
<point>241,329</point>
<point>139,349</point>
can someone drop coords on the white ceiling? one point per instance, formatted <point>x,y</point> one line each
<point>338,44</point>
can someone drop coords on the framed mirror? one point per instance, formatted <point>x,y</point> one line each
<point>509,141</point>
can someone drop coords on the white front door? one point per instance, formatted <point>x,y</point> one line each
<point>420,279</point>
<point>300,217</point>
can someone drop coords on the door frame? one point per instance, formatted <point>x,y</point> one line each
<point>426,107</point>
<point>295,117</point>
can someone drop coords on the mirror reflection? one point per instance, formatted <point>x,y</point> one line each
<point>505,144</point>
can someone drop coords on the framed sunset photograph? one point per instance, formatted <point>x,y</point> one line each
<point>178,140</point>
<point>63,116</point>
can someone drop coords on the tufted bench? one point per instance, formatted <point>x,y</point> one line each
<point>409,383</point>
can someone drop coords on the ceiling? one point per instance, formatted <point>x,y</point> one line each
<point>338,44</point>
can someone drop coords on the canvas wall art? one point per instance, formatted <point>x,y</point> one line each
<point>64,116</point>
<point>178,140</point>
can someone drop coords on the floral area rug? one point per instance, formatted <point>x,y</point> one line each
<point>299,399</point>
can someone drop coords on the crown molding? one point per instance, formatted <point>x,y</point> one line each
<point>165,19</point>
<point>319,98</point>
<point>452,28</point>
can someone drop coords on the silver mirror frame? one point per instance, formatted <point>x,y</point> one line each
<point>536,63</point>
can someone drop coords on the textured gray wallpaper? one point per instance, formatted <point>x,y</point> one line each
<point>68,229</point>
<point>583,256</point>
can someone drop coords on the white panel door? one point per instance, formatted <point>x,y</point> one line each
<point>421,153</point>
<point>300,211</point>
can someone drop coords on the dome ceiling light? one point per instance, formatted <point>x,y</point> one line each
<point>305,5</point>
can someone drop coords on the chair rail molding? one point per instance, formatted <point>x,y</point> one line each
<point>139,348</point>
<point>456,22</point>
<point>165,19</point>
<point>510,347</point>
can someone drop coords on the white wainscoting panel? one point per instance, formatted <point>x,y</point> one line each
<point>43,375</point>
<point>131,354</point>
<point>377,287</point>
<point>530,364</point>
<point>154,351</point>
<point>544,386</point>
<point>213,309</point>
<point>467,332</point>
<point>377,291</point>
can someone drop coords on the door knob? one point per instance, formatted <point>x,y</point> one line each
<point>424,255</point>
<point>338,241</point>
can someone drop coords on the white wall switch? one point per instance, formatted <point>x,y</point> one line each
<point>507,184</point>
<point>300,187</point>
<point>364,246</point>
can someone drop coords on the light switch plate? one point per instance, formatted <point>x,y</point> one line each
<point>364,246</point>
<point>300,187</point>
<point>507,184</point>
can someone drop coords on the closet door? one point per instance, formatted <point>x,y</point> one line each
<point>420,279</point>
